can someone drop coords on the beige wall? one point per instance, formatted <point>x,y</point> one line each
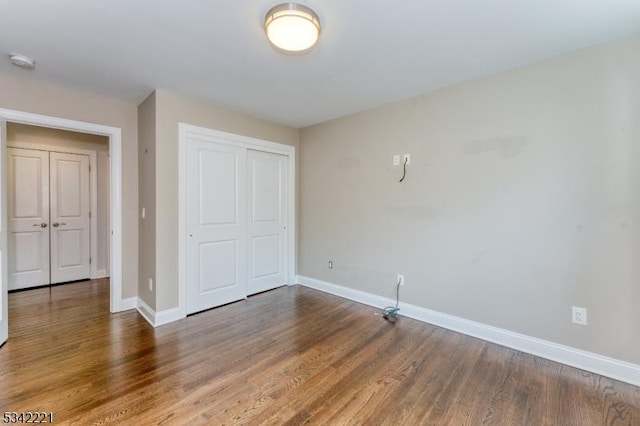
<point>170,110</point>
<point>60,139</point>
<point>55,137</point>
<point>147,198</point>
<point>522,199</point>
<point>28,96</point>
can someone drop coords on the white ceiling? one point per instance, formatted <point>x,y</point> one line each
<point>371,52</point>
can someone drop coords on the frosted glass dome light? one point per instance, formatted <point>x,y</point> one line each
<point>292,27</point>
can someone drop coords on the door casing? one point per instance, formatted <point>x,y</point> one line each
<point>4,273</point>
<point>116,303</point>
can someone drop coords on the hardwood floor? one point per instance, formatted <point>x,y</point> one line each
<point>289,356</point>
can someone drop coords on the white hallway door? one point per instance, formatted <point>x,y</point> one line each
<point>49,222</point>
<point>236,223</point>
<point>28,176</point>
<point>69,217</point>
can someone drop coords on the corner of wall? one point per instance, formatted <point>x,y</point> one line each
<point>146,200</point>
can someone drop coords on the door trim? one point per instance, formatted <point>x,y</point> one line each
<point>93,189</point>
<point>115,152</point>
<point>184,131</point>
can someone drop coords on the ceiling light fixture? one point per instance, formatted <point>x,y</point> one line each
<point>292,27</point>
<point>22,61</point>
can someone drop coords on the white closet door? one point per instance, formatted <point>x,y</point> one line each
<point>216,224</point>
<point>70,221</point>
<point>267,224</point>
<point>28,217</point>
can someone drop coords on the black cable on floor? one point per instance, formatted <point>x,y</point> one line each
<point>390,313</point>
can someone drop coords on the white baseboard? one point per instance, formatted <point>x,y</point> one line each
<point>129,303</point>
<point>595,363</point>
<point>156,319</point>
<point>167,316</point>
<point>146,312</point>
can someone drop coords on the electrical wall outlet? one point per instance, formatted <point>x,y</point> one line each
<point>150,284</point>
<point>396,160</point>
<point>407,158</point>
<point>579,315</point>
<point>330,264</point>
<point>400,279</point>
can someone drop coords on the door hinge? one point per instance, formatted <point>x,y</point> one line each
<point>89,168</point>
<point>89,261</point>
<point>89,215</point>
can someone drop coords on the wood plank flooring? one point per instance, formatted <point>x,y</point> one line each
<point>286,357</point>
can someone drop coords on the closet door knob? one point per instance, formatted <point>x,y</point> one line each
<point>55,224</point>
<point>43,225</point>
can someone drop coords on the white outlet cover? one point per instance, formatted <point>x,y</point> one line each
<point>396,160</point>
<point>579,315</point>
<point>407,157</point>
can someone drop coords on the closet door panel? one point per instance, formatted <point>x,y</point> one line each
<point>267,222</point>
<point>216,224</point>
